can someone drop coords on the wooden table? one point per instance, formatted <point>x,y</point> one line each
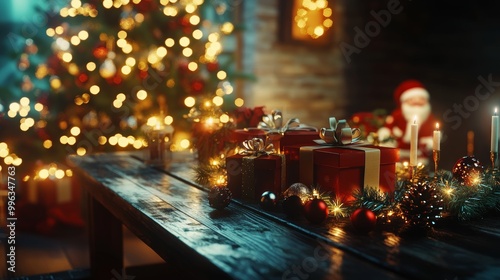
<point>171,214</point>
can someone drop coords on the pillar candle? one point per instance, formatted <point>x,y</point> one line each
<point>414,142</point>
<point>494,132</point>
<point>436,140</point>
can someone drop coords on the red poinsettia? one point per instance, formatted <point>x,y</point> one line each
<point>246,117</point>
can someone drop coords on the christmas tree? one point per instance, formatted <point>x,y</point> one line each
<point>104,70</point>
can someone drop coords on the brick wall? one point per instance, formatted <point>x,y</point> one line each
<point>302,82</point>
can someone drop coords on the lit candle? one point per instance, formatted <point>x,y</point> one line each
<point>414,142</point>
<point>436,140</point>
<point>494,132</point>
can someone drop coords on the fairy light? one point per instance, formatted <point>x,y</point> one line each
<point>238,102</point>
<point>189,101</point>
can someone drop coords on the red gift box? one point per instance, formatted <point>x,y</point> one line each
<point>289,138</point>
<point>247,183</point>
<point>341,170</point>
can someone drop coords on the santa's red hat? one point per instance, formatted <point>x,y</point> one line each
<point>408,89</point>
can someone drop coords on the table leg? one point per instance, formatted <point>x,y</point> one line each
<point>106,242</point>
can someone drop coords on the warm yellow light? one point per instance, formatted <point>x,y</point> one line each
<point>75,131</point>
<point>59,174</point>
<point>24,127</point>
<point>121,43</point>
<point>25,101</point>
<point>168,120</point>
<point>187,52</point>
<point>141,94</point>
<point>91,66</point>
<point>239,102</point>
<point>130,61</point>
<point>64,12</point>
<point>184,41</point>
<point>38,107</point>
<point>190,8</point>
<point>137,144</point>
<point>123,142</point>
<point>197,34</point>
<point>117,103</point>
<point>224,118</point>
<point>47,144</point>
<point>69,172</point>
<point>194,19</point>
<point>67,57</point>
<point>161,51</point>
<point>59,30</point>
<point>185,143</point>
<point>14,106</point>
<point>17,161</point>
<point>218,101</point>
<point>169,42</point>
<point>121,96</point>
<point>126,70</point>
<point>189,101</point>
<point>170,11</point>
<point>192,66</point>
<point>102,140</point>
<point>50,32</point>
<point>94,89</point>
<point>170,83</point>
<point>113,140</point>
<point>221,75</point>
<point>71,140</point>
<point>81,151</point>
<point>122,34</point>
<point>43,173</point>
<point>107,4</point>
<point>213,37</point>
<point>227,28</point>
<point>75,40</point>
<point>127,48</point>
<point>83,35</point>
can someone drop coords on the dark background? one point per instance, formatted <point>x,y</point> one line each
<point>446,45</point>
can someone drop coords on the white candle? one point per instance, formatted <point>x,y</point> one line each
<point>494,132</point>
<point>414,142</point>
<point>436,140</point>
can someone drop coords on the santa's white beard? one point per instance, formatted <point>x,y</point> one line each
<point>410,112</point>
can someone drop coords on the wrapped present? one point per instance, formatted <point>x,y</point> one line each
<point>255,169</point>
<point>280,134</point>
<point>339,165</point>
<point>342,169</point>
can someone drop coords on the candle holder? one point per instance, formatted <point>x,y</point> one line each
<point>158,151</point>
<point>436,154</point>
<point>493,159</point>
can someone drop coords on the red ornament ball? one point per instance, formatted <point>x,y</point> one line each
<point>219,197</point>
<point>316,210</point>
<point>292,206</point>
<point>468,170</point>
<point>268,200</point>
<point>363,220</point>
<point>100,51</point>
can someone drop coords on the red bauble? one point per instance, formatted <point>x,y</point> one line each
<point>197,85</point>
<point>100,51</point>
<point>468,170</point>
<point>82,78</point>
<point>212,66</point>
<point>292,206</point>
<point>363,220</point>
<point>316,210</point>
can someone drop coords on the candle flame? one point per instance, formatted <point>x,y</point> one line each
<point>437,126</point>
<point>415,119</point>
<point>495,111</point>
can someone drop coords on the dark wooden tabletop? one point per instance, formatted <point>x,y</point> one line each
<point>170,213</point>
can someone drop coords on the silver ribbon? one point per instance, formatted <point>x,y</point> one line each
<point>256,147</point>
<point>338,134</point>
<point>273,123</point>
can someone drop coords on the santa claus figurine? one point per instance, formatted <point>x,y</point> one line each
<point>412,101</point>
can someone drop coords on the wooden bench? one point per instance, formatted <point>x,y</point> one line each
<point>171,215</point>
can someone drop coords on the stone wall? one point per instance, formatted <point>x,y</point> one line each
<point>301,81</point>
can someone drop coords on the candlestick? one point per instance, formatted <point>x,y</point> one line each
<point>494,132</point>
<point>436,139</point>
<point>413,142</point>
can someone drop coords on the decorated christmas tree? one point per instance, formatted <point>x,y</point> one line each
<point>103,70</point>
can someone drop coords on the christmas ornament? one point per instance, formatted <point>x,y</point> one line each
<point>219,197</point>
<point>316,210</point>
<point>468,170</point>
<point>292,206</point>
<point>100,51</point>
<point>298,189</point>
<point>108,68</point>
<point>363,220</point>
<point>268,200</point>
<point>421,205</point>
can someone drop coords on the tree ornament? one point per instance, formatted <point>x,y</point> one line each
<point>212,66</point>
<point>268,200</point>
<point>363,220</point>
<point>219,197</point>
<point>422,205</point>
<point>108,68</point>
<point>468,170</point>
<point>316,210</point>
<point>292,206</point>
<point>100,51</point>
<point>298,189</point>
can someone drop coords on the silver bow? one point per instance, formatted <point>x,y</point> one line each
<point>256,147</point>
<point>339,133</point>
<point>273,123</point>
